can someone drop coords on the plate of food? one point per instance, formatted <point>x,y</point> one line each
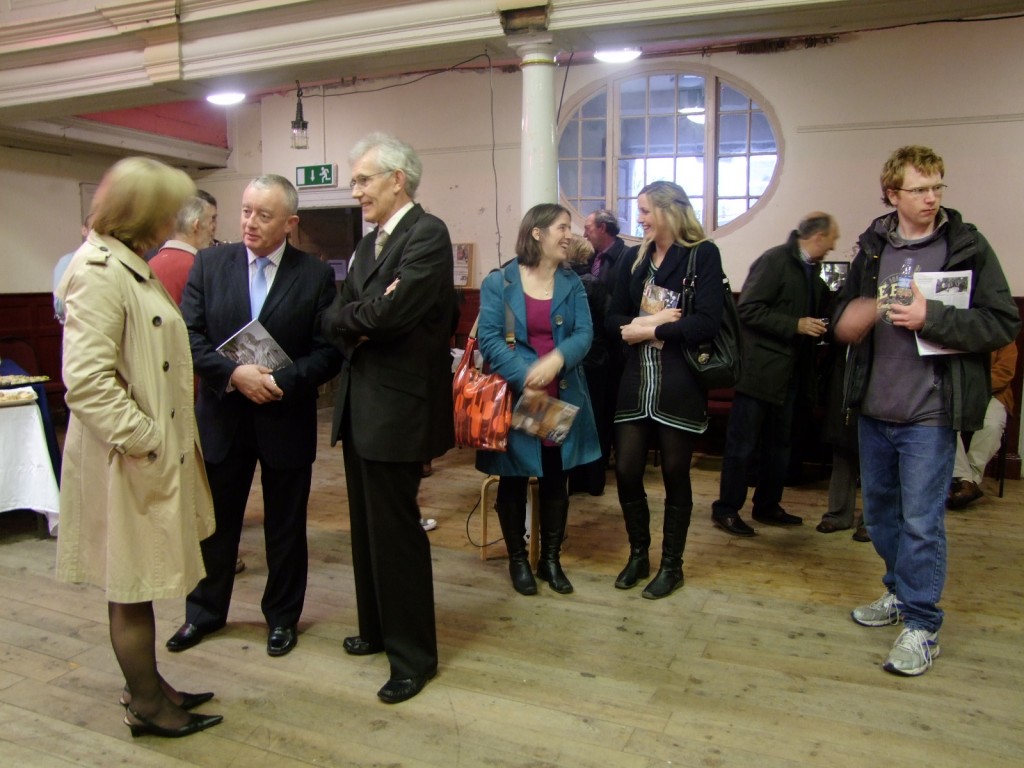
<point>23,396</point>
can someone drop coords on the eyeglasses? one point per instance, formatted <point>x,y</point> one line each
<point>362,181</point>
<point>937,190</point>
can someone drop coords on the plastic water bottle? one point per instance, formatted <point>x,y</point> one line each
<point>906,275</point>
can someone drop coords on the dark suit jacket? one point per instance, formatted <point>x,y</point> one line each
<point>215,305</point>
<point>397,382</point>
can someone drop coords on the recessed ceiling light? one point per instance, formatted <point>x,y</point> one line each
<point>225,99</point>
<point>617,55</point>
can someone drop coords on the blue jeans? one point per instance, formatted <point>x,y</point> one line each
<point>757,431</point>
<point>904,475</point>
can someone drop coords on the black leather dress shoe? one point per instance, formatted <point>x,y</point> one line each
<point>281,640</point>
<point>356,646</point>
<point>733,524</point>
<point>401,689</point>
<point>187,636</point>
<point>777,516</point>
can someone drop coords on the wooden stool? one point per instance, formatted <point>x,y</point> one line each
<point>532,506</point>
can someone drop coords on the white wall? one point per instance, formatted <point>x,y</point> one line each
<point>842,109</point>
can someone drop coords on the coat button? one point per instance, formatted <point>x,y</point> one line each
<point>559,320</point>
<point>563,384</point>
<point>182,459</point>
<point>158,321</point>
<point>152,456</point>
<point>167,366</point>
<point>172,413</point>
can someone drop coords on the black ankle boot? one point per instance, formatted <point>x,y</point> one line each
<point>553,515</point>
<point>638,528</point>
<point>512,518</point>
<point>670,575</point>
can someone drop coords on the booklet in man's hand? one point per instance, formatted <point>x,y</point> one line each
<point>544,417</point>
<point>253,345</point>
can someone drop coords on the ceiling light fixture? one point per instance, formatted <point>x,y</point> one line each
<point>617,55</point>
<point>300,128</point>
<point>225,99</point>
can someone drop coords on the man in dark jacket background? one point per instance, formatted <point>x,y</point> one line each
<point>780,307</point>
<point>912,404</point>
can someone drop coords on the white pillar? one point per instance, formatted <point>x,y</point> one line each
<point>538,153</point>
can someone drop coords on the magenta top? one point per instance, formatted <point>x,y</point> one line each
<point>538,333</point>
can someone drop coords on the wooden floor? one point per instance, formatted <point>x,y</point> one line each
<point>755,662</point>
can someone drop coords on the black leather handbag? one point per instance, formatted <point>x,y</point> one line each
<point>716,362</point>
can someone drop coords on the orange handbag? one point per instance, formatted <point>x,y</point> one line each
<point>482,404</point>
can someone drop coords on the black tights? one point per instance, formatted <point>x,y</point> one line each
<point>551,484</point>
<point>632,440</point>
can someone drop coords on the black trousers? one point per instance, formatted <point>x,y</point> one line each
<point>285,499</point>
<point>391,560</point>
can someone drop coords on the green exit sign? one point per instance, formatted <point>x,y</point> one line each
<point>316,175</point>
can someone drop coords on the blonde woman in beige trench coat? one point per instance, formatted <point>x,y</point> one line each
<point>134,501</point>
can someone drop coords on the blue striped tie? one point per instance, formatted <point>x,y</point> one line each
<point>258,290</point>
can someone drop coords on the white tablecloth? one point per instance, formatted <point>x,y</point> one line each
<point>26,472</point>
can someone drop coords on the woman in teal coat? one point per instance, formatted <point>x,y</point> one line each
<point>547,307</point>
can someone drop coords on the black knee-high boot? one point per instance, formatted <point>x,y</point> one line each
<point>553,515</point>
<point>638,528</point>
<point>670,575</point>
<point>512,518</point>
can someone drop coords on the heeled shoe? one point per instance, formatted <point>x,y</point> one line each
<point>188,700</point>
<point>145,727</point>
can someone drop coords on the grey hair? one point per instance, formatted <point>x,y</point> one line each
<point>608,220</point>
<point>291,195</point>
<point>812,224</point>
<point>392,155</point>
<point>189,214</point>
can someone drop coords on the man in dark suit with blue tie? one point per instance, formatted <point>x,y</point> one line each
<point>393,320</point>
<point>248,413</point>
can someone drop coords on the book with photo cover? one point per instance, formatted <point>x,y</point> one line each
<point>545,417</point>
<point>656,298</point>
<point>252,344</point>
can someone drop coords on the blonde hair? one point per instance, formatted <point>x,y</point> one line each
<point>136,200</point>
<point>580,250</point>
<point>670,201</point>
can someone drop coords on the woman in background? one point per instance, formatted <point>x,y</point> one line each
<point>661,402</point>
<point>134,500</point>
<point>551,325</point>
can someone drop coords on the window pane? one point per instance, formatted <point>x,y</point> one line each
<point>762,168</point>
<point>634,136</point>
<point>594,144</point>
<point>732,177</point>
<point>690,175</point>
<point>569,144</point>
<point>691,135</point>
<point>731,99</point>
<point>568,177</point>
<point>633,97</point>
<point>596,106</point>
<point>761,137</point>
<point>730,209</point>
<point>663,95</point>
<point>691,94</point>
<point>592,178</point>
<point>660,169</point>
<point>662,136</point>
<point>587,207</point>
<point>732,134</point>
<point>698,207</point>
<point>631,177</point>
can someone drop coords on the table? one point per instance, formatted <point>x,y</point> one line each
<point>10,368</point>
<point>26,471</point>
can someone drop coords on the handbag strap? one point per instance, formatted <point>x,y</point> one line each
<point>510,324</point>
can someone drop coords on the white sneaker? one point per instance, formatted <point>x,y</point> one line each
<point>884,611</point>
<point>428,523</point>
<point>913,652</point>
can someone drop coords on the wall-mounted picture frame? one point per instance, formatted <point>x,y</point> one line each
<point>462,264</point>
<point>834,274</point>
